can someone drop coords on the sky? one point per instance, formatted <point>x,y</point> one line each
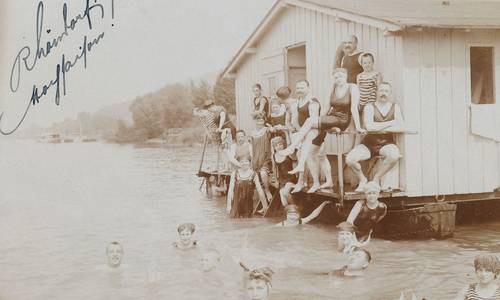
<point>146,45</point>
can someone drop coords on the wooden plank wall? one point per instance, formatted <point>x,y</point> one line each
<point>444,158</point>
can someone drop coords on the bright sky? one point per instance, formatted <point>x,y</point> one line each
<point>147,44</point>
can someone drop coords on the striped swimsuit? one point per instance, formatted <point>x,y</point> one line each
<point>472,294</point>
<point>367,88</point>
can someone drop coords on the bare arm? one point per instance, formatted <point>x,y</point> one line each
<point>231,153</point>
<point>354,212</point>
<point>354,106</point>
<point>230,192</point>
<point>370,124</point>
<point>222,120</point>
<point>379,79</point>
<point>315,213</point>
<point>385,213</point>
<point>314,110</point>
<point>398,120</point>
<point>262,104</point>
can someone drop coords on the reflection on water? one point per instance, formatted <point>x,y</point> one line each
<point>61,204</point>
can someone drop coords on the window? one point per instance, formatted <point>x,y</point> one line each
<point>482,76</point>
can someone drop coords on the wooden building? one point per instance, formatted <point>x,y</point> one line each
<point>441,58</point>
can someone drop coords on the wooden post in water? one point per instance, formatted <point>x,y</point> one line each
<point>203,154</point>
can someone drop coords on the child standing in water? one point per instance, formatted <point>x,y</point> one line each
<point>487,288</point>
<point>241,188</point>
<point>261,148</point>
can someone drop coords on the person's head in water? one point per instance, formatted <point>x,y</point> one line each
<point>210,258</point>
<point>487,267</point>
<point>359,259</point>
<point>372,192</point>
<point>302,88</point>
<point>384,92</point>
<point>114,252</point>
<point>257,90</point>
<point>283,93</point>
<point>350,44</point>
<point>241,137</point>
<point>346,236</point>
<point>186,232</point>
<point>278,143</point>
<point>339,76</point>
<point>259,118</point>
<point>258,286</point>
<point>366,60</point>
<point>292,213</point>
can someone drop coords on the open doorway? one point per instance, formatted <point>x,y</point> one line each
<point>296,65</point>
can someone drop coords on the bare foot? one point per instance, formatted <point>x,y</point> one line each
<point>326,185</point>
<point>298,188</point>
<point>361,186</point>
<point>313,189</point>
<point>296,170</point>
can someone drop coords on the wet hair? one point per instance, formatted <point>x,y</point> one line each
<point>241,130</point>
<point>265,274</point>
<point>189,226</point>
<point>257,85</point>
<point>277,139</point>
<point>113,243</point>
<point>487,262</point>
<point>303,80</point>
<point>283,92</point>
<point>366,54</point>
<point>367,254</point>
<point>258,115</point>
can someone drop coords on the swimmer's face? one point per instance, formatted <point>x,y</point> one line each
<point>208,262</point>
<point>372,196</point>
<point>256,91</point>
<point>339,78</point>
<point>357,261</point>
<point>186,237</point>
<point>279,146</point>
<point>485,276</point>
<point>384,92</point>
<point>293,216</point>
<point>344,239</point>
<point>301,89</point>
<point>115,254</point>
<point>240,138</point>
<point>367,63</point>
<point>257,290</point>
<point>245,164</point>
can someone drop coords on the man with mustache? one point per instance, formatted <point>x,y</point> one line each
<point>350,61</point>
<point>382,118</point>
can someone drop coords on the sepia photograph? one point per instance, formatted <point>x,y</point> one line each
<point>249,149</point>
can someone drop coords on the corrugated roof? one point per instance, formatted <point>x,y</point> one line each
<point>426,13</point>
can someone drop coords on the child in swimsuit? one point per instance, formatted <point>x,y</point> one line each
<point>487,268</point>
<point>293,215</point>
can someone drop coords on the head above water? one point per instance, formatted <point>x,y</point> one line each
<point>210,258</point>
<point>114,252</point>
<point>487,267</point>
<point>259,284</point>
<point>350,44</point>
<point>346,236</point>
<point>359,259</point>
<point>185,232</point>
<point>292,213</point>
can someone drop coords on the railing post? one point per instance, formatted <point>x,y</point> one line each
<point>340,168</point>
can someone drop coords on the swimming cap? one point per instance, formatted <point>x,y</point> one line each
<point>372,186</point>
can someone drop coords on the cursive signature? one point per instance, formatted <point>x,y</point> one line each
<point>27,59</point>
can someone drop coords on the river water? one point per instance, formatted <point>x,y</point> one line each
<point>61,204</point>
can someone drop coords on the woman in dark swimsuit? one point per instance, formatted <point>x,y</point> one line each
<point>343,106</point>
<point>365,214</point>
<point>260,102</point>
<point>283,165</point>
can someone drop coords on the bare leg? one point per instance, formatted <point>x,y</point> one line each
<point>391,156</point>
<point>265,183</point>
<point>299,136</point>
<point>326,168</point>
<point>304,152</point>
<point>313,165</point>
<point>285,193</point>
<point>300,183</point>
<point>359,153</point>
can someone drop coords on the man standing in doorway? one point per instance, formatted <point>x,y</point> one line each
<point>350,61</point>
